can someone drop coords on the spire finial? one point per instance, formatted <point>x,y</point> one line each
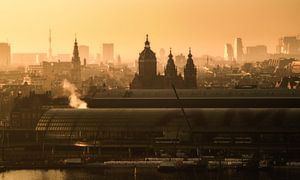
<point>147,43</point>
<point>170,55</point>
<point>190,53</point>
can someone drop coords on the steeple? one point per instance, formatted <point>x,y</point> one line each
<point>76,70</point>
<point>171,70</point>
<point>170,55</point>
<point>147,43</point>
<point>190,72</point>
<point>76,57</point>
<point>190,61</point>
<point>190,54</point>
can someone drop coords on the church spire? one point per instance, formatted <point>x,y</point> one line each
<point>170,55</point>
<point>190,61</point>
<point>190,72</point>
<point>190,53</point>
<point>75,51</point>
<point>171,70</point>
<point>147,43</point>
<point>76,70</point>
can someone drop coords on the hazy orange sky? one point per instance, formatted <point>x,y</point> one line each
<point>205,25</point>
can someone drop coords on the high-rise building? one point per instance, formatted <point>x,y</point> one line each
<point>119,61</point>
<point>5,54</point>
<point>84,52</point>
<point>288,45</point>
<point>108,52</point>
<point>228,52</point>
<point>238,49</point>
<point>29,58</point>
<point>256,53</point>
<point>180,61</point>
<point>162,55</point>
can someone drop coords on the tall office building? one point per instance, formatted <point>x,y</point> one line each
<point>5,54</point>
<point>29,58</point>
<point>228,52</point>
<point>108,52</point>
<point>162,55</point>
<point>84,52</point>
<point>288,45</point>
<point>256,53</point>
<point>238,49</point>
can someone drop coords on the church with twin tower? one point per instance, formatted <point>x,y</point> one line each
<point>147,77</point>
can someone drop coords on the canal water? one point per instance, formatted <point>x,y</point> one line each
<point>146,174</point>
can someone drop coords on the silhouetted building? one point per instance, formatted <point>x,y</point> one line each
<point>228,52</point>
<point>171,76</point>
<point>76,69</point>
<point>190,73</point>
<point>28,109</point>
<point>238,49</point>
<point>147,78</point>
<point>108,52</point>
<point>4,54</point>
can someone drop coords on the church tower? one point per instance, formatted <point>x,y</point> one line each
<point>147,64</point>
<point>171,70</point>
<point>190,73</point>
<point>76,70</point>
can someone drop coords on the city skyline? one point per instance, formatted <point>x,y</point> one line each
<point>203,25</point>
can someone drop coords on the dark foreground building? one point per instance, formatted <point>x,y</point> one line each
<point>157,132</point>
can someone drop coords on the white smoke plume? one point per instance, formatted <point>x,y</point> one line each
<point>74,99</point>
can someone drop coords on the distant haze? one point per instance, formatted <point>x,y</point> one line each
<point>204,25</point>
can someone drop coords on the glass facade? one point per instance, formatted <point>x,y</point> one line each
<point>139,125</point>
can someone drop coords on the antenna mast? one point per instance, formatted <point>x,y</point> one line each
<point>50,46</point>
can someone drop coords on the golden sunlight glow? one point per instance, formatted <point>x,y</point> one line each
<point>204,25</point>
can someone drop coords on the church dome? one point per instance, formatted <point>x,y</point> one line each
<point>147,53</point>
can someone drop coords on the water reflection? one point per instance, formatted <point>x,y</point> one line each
<point>145,174</point>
